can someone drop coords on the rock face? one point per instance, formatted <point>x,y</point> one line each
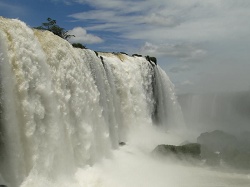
<point>217,140</point>
<point>122,143</point>
<point>187,151</point>
<point>137,55</point>
<point>215,148</point>
<point>152,60</point>
<point>218,147</point>
<point>244,140</point>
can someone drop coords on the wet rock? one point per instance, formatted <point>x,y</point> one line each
<point>211,158</point>
<point>217,140</point>
<point>102,60</point>
<point>124,53</point>
<point>152,60</point>
<point>96,53</point>
<point>236,158</point>
<point>219,147</point>
<point>122,143</point>
<point>136,55</point>
<point>191,150</point>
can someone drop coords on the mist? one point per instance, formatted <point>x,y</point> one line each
<point>227,111</point>
<point>133,165</point>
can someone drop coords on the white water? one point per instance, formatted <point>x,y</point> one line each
<point>64,112</point>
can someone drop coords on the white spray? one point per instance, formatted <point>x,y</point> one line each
<point>66,108</point>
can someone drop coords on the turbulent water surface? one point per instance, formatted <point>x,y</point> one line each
<point>64,112</point>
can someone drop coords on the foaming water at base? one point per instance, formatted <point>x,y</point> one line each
<point>133,165</point>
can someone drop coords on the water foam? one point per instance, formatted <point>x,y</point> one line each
<point>64,108</point>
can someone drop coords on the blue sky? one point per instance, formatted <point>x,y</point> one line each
<point>203,45</point>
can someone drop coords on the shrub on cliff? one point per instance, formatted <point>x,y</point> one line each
<point>53,27</point>
<point>78,45</point>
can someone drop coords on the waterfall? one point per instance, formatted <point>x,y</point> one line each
<point>63,108</point>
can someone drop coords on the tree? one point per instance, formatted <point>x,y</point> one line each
<point>53,27</point>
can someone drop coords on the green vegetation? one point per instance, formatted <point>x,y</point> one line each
<point>53,27</point>
<point>59,31</point>
<point>78,45</point>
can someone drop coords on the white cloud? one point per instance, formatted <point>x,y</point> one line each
<point>117,5</point>
<point>214,32</point>
<point>94,15</point>
<point>81,36</point>
<point>161,12</point>
<point>182,50</point>
<point>161,20</point>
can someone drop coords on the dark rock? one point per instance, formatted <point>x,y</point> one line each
<point>214,145</point>
<point>136,55</point>
<point>122,143</point>
<point>181,152</point>
<point>124,53</point>
<point>237,158</point>
<point>244,141</point>
<point>219,146</point>
<point>96,53</point>
<point>211,158</point>
<point>117,53</point>
<point>152,60</point>
<point>102,60</point>
<point>217,140</point>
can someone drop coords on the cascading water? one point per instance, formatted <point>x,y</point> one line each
<point>64,108</point>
